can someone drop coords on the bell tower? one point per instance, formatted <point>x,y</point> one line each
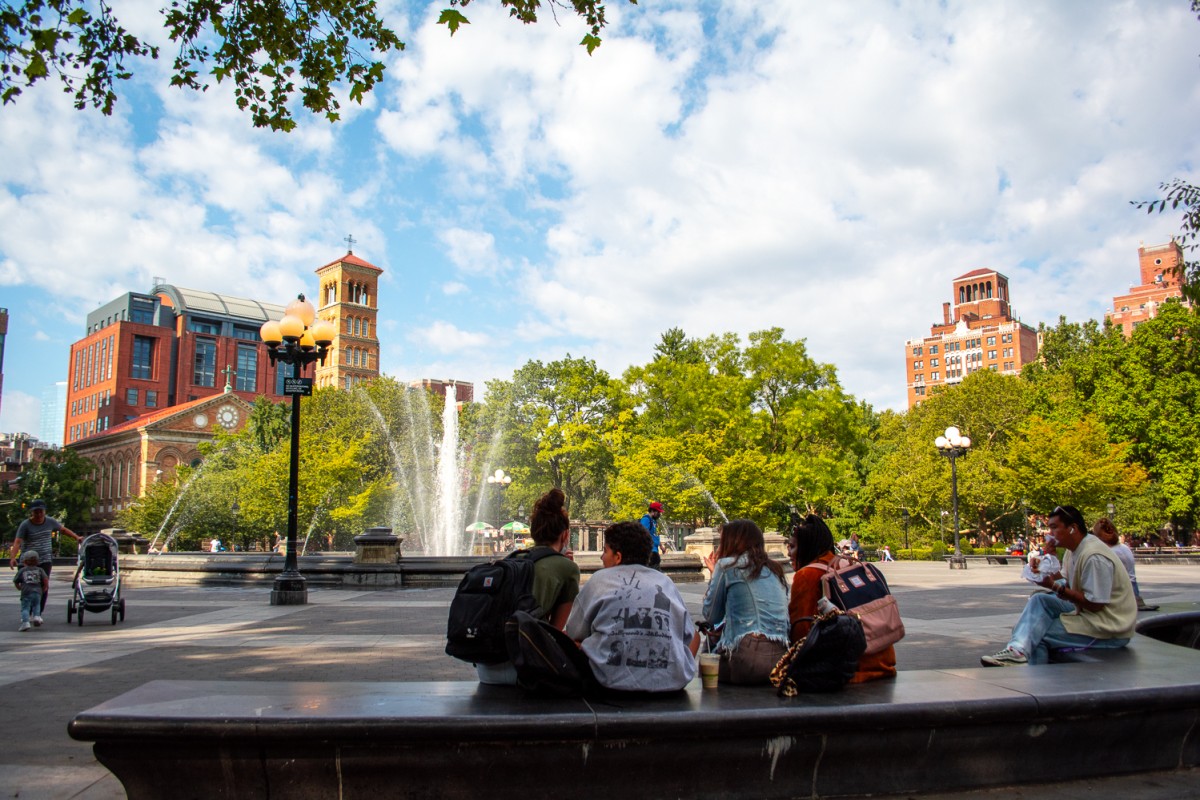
<point>348,296</point>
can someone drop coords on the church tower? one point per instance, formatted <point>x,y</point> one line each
<point>348,297</point>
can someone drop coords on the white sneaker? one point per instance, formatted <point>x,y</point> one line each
<point>37,622</point>
<point>24,627</point>
<point>1005,658</point>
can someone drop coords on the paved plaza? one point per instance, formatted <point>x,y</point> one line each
<point>216,633</point>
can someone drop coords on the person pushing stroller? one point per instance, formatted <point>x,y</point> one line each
<point>33,582</point>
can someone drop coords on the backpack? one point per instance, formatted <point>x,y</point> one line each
<point>487,596</point>
<point>825,659</point>
<point>860,589</point>
<point>547,661</point>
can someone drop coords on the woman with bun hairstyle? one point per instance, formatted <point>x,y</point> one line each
<point>811,542</point>
<point>555,575</point>
<point>747,600</point>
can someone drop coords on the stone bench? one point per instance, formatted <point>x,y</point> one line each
<point>929,730</point>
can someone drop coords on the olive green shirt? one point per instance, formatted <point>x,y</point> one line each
<point>555,581</point>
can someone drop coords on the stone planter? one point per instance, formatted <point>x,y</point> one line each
<point>377,546</point>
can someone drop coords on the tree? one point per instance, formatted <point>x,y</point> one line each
<point>270,50</point>
<point>62,478</point>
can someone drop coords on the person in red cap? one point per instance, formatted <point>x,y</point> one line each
<point>650,523</point>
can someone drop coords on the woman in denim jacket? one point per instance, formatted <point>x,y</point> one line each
<point>747,598</point>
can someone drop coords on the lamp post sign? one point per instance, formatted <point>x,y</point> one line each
<point>299,387</point>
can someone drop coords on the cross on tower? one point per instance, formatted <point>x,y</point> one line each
<point>350,240</point>
<point>228,371</point>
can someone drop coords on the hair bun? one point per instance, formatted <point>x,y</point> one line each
<point>552,502</point>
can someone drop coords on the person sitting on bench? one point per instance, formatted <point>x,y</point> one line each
<point>631,621</point>
<point>1091,606</point>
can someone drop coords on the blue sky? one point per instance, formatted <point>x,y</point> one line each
<point>716,166</point>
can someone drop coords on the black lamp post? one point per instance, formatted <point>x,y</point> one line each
<point>953,446</point>
<point>1112,513</point>
<point>297,339</point>
<point>235,508</point>
<point>907,546</point>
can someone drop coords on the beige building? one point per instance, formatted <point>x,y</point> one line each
<point>348,296</point>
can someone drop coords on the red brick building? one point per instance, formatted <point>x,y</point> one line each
<point>134,454</point>
<point>144,352</point>
<point>464,391</point>
<point>348,296</point>
<point>977,331</point>
<point>1162,280</point>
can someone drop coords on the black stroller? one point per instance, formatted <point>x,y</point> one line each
<point>97,583</point>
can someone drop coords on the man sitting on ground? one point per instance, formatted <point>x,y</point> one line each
<point>630,620</point>
<point>1092,607</point>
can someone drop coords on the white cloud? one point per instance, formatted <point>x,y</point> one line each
<point>446,337</point>
<point>20,412</point>
<point>473,252</point>
<point>453,288</point>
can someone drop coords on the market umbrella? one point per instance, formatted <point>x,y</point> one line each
<point>515,527</point>
<point>479,527</point>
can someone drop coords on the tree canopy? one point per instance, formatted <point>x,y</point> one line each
<point>272,51</point>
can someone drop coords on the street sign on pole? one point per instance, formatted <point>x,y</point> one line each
<point>298,386</point>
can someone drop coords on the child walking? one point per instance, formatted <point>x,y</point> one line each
<point>32,581</point>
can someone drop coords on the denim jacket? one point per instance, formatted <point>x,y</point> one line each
<point>744,605</point>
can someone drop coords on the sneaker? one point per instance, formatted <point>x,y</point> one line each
<point>24,627</point>
<point>37,622</point>
<point>1005,658</point>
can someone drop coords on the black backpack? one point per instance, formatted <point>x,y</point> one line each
<point>487,596</point>
<point>547,661</point>
<point>824,660</point>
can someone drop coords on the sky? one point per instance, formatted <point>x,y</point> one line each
<point>825,168</point>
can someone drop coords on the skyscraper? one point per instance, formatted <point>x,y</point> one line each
<point>54,413</point>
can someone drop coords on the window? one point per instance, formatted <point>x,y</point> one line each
<point>991,353</point>
<point>204,326</point>
<point>247,368</point>
<point>916,351</point>
<point>151,398</point>
<point>248,334</point>
<point>131,396</point>
<point>991,340</point>
<point>141,366</point>
<point>204,364</point>
<point>142,313</point>
<point>933,348</point>
<point>280,375</point>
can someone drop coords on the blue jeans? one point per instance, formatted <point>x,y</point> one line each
<point>31,606</point>
<point>1039,630</point>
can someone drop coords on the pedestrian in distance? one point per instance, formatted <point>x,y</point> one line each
<point>650,523</point>
<point>36,533</point>
<point>32,582</point>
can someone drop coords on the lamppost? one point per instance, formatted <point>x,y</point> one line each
<point>907,546</point>
<point>501,481</point>
<point>297,339</point>
<point>1112,513</point>
<point>953,446</point>
<point>235,508</point>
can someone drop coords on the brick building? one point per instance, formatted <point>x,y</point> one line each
<point>132,455</point>
<point>145,352</point>
<point>464,391</point>
<point>1162,280</point>
<point>977,331</point>
<point>348,296</point>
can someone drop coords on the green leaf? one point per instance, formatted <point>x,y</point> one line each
<point>452,18</point>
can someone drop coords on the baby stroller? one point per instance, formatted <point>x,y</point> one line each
<point>97,583</point>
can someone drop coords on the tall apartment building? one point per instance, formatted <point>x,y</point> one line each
<point>54,413</point>
<point>977,331</point>
<point>348,296</point>
<point>145,352</point>
<point>1162,279</point>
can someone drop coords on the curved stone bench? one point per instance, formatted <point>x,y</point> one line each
<point>931,730</point>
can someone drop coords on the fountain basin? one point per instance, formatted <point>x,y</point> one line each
<point>340,571</point>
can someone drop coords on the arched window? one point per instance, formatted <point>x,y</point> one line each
<point>961,295</point>
<point>989,290</point>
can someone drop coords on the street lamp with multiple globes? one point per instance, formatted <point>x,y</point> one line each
<point>501,481</point>
<point>954,445</point>
<point>297,339</point>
